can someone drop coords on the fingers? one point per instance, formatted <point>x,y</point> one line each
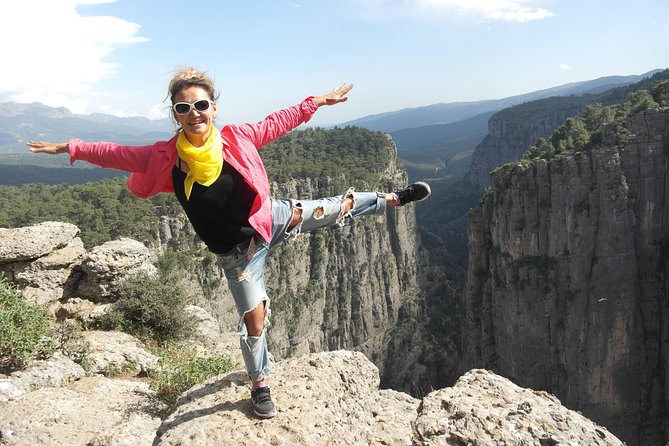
<point>342,90</point>
<point>45,147</point>
<point>36,146</point>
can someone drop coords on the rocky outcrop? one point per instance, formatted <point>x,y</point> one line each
<point>322,398</point>
<point>56,371</point>
<point>326,398</point>
<point>488,410</point>
<point>93,411</point>
<point>110,262</point>
<point>49,263</point>
<point>567,281</point>
<point>41,259</point>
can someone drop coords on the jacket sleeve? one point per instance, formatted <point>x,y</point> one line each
<point>111,155</point>
<point>279,122</point>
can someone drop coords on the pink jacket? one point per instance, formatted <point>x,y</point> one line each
<point>151,166</point>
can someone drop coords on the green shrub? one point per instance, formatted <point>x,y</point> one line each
<point>71,342</point>
<point>181,369</point>
<point>24,329</point>
<point>150,307</point>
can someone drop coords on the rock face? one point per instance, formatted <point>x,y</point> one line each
<point>89,412</point>
<point>343,288</point>
<point>42,259</point>
<point>509,135</point>
<point>104,265</point>
<point>485,409</point>
<point>567,282</point>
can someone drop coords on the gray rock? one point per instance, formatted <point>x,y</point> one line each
<point>53,372</point>
<point>324,398</point>
<point>488,410</point>
<point>209,338</point>
<point>35,241</point>
<point>566,283</point>
<point>91,412</point>
<point>111,262</point>
<point>81,309</point>
<point>50,277</point>
<point>113,351</point>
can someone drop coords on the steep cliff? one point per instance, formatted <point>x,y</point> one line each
<point>512,131</point>
<point>567,284</point>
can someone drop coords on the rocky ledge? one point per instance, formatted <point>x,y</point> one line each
<point>323,398</point>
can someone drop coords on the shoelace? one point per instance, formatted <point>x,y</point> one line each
<point>261,395</point>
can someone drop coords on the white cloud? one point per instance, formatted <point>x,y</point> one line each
<point>564,66</point>
<point>54,55</point>
<point>489,10</point>
<point>159,111</point>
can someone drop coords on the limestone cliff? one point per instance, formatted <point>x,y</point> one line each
<point>567,284</point>
<point>512,131</point>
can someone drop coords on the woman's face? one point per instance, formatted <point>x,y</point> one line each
<point>196,124</point>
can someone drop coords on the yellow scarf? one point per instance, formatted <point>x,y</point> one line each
<point>204,163</point>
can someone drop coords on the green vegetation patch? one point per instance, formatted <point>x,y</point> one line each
<point>180,369</point>
<point>24,329</point>
<point>150,307</point>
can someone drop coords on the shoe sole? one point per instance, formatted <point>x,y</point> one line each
<point>429,190</point>
<point>265,416</point>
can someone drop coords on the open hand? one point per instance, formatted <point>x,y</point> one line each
<point>47,147</point>
<point>335,96</point>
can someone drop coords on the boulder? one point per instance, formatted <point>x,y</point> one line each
<point>81,309</point>
<point>486,409</point>
<point>53,372</point>
<point>94,411</point>
<point>35,241</point>
<point>111,262</point>
<point>50,277</point>
<point>113,352</point>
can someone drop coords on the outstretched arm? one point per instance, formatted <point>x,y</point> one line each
<point>282,121</point>
<point>103,154</point>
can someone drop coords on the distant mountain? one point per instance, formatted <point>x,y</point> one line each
<point>459,111</point>
<point>24,122</point>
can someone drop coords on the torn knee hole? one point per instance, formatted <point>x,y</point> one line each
<point>297,216</point>
<point>319,212</point>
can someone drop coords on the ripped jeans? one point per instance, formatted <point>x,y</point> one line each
<point>244,266</point>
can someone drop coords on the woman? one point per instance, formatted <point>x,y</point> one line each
<point>219,179</point>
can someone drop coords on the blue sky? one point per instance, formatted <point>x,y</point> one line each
<point>117,56</point>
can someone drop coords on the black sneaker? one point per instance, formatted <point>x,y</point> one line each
<point>262,403</point>
<point>414,192</point>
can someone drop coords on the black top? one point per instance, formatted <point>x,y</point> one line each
<point>219,213</point>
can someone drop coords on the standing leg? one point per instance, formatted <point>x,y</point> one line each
<point>246,280</point>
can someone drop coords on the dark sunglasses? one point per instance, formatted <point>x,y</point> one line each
<point>183,108</point>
